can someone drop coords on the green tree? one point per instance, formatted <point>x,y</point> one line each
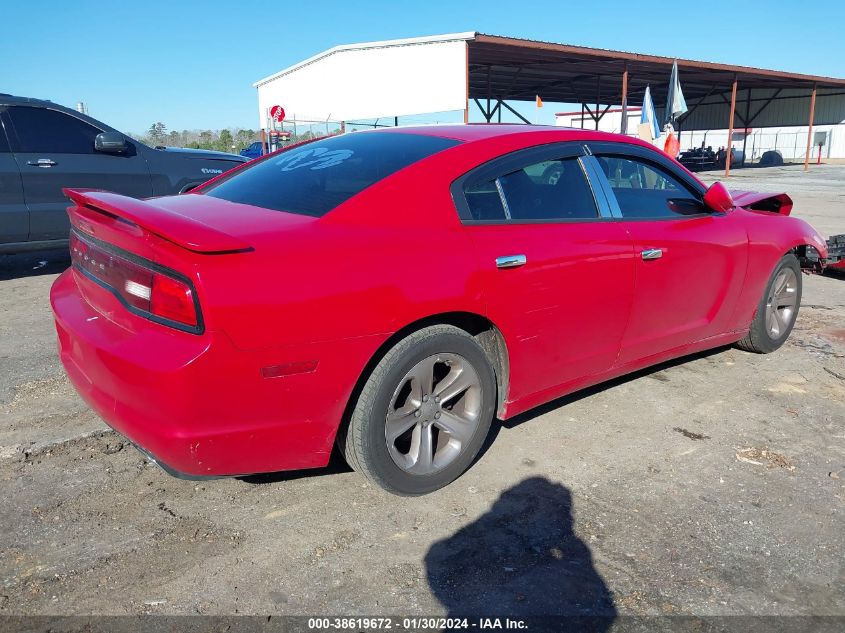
<point>157,133</point>
<point>225,141</point>
<point>206,140</point>
<point>245,137</point>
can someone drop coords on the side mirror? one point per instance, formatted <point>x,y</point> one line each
<point>110,143</point>
<point>718,198</point>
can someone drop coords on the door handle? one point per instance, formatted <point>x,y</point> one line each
<point>41,162</point>
<point>510,261</point>
<point>652,253</point>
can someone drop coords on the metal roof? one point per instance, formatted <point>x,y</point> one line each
<point>514,69</point>
<point>428,39</point>
<point>569,64</point>
<point>519,69</point>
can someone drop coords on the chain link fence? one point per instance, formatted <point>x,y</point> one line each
<point>791,144</point>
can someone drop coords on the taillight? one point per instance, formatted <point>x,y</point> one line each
<point>142,286</point>
<point>173,299</point>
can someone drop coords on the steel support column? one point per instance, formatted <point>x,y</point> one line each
<point>598,99</point>
<point>489,114</point>
<point>747,123</point>
<point>484,112</point>
<point>728,149</point>
<point>466,76</point>
<point>810,128</point>
<point>518,115</point>
<point>624,127</point>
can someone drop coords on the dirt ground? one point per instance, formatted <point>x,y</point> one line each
<point>713,485</point>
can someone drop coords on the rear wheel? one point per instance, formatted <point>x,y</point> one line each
<point>778,309</point>
<point>423,413</point>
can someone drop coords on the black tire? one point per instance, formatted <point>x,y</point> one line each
<point>364,444</point>
<point>552,172</point>
<point>758,339</point>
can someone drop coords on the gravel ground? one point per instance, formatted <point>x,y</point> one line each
<point>713,485</point>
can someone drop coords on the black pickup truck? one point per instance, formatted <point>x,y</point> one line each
<point>45,147</point>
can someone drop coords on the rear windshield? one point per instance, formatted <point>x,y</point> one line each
<point>315,178</point>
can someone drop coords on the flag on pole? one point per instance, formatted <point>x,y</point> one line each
<point>648,119</point>
<point>676,105</point>
<point>539,102</point>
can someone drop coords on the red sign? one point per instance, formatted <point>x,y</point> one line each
<point>277,113</point>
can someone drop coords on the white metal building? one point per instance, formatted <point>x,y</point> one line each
<point>371,80</point>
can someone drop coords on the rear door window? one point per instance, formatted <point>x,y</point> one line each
<point>550,190</point>
<point>42,130</point>
<point>485,201</point>
<point>314,178</point>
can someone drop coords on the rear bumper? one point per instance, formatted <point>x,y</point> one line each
<point>196,403</point>
<point>172,471</point>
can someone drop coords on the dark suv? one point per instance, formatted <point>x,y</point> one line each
<point>45,147</point>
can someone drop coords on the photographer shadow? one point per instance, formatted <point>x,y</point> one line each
<point>521,559</point>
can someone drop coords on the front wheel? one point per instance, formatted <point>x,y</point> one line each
<point>423,413</point>
<point>778,309</point>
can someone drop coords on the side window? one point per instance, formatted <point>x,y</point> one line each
<point>644,190</point>
<point>547,190</point>
<point>550,190</point>
<point>484,201</point>
<point>41,130</point>
<point>4,142</point>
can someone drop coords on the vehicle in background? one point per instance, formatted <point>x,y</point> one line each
<point>699,158</point>
<point>836,253</point>
<point>45,147</point>
<point>253,150</point>
<point>278,139</point>
<point>396,290</point>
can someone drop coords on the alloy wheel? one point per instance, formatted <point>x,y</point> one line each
<point>433,413</point>
<point>781,303</point>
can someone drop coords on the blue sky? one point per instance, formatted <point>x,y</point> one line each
<point>191,64</point>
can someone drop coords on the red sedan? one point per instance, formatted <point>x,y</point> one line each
<point>394,291</point>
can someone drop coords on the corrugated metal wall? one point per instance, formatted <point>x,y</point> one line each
<point>790,108</point>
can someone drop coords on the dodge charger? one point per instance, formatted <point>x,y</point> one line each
<point>393,292</point>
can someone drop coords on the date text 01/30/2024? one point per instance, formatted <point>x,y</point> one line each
<point>415,623</point>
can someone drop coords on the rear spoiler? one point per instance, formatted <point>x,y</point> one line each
<point>181,230</point>
<point>772,202</point>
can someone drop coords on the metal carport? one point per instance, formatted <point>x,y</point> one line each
<point>448,72</point>
<point>501,69</point>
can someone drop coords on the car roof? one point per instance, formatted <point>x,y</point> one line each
<point>479,131</point>
<point>13,100</point>
<point>16,100</point>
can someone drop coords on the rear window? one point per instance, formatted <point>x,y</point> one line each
<point>315,178</point>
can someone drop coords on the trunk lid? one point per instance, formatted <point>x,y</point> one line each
<point>137,255</point>
<point>194,222</point>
